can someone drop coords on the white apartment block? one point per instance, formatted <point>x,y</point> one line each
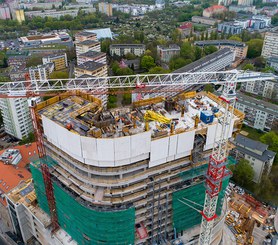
<point>259,157</point>
<point>123,49</point>
<point>87,45</point>
<point>16,117</point>
<point>166,53</point>
<point>270,46</point>
<point>258,113</point>
<point>91,68</point>
<point>266,89</point>
<point>85,35</point>
<point>41,72</point>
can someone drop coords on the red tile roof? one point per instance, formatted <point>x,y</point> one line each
<point>10,175</point>
<point>215,7</point>
<point>185,25</point>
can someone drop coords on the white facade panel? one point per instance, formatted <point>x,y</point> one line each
<point>185,141</point>
<point>122,148</point>
<point>173,140</point>
<point>159,149</point>
<point>140,144</point>
<point>89,148</point>
<point>105,148</point>
<point>210,136</point>
<point>183,154</point>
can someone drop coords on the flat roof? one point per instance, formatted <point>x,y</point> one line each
<point>220,42</point>
<point>171,46</point>
<point>127,45</point>
<point>85,33</point>
<point>257,104</point>
<point>88,42</point>
<point>90,65</point>
<point>92,54</point>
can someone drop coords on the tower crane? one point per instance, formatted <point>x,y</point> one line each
<point>217,161</point>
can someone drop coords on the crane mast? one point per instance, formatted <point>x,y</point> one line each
<point>217,163</point>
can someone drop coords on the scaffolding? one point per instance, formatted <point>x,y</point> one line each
<point>86,224</point>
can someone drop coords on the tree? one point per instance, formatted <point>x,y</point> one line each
<point>243,173</point>
<point>209,88</point>
<point>147,62</point>
<point>210,49</point>
<point>265,189</point>
<point>187,51</point>
<point>198,53</point>
<point>249,66</point>
<point>235,38</point>
<point>271,139</point>
<point>158,70</point>
<point>178,62</point>
<point>59,75</point>
<point>274,19</point>
<point>260,62</point>
<point>29,139</point>
<point>34,61</point>
<point>254,48</point>
<point>71,54</point>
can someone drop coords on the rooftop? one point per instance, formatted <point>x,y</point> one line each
<point>243,144</point>
<point>54,55</point>
<point>90,66</point>
<point>215,7</point>
<point>88,42</point>
<point>220,42</point>
<point>257,104</point>
<point>85,33</point>
<point>92,54</point>
<point>197,65</point>
<point>102,33</point>
<point>171,46</point>
<point>128,45</point>
<point>88,119</point>
<point>11,176</point>
<point>185,25</point>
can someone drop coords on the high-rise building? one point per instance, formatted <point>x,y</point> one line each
<point>60,61</point>
<point>16,117</point>
<point>117,178</point>
<point>270,46</point>
<point>245,2</point>
<point>105,8</point>
<point>41,72</point>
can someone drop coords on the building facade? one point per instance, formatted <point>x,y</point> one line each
<point>16,117</point>
<point>105,8</point>
<point>258,113</point>
<point>41,72</point>
<point>216,9</point>
<point>123,49</point>
<point>229,28</point>
<point>273,62</point>
<point>87,45</point>
<point>166,53</point>
<point>270,46</point>
<point>259,157</point>
<point>99,57</point>
<point>91,68</point>
<point>245,2</point>
<point>84,35</point>
<point>205,20</point>
<point>60,61</point>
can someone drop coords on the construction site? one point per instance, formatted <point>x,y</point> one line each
<point>129,175</point>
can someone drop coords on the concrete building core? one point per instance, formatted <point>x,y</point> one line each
<point>125,170</point>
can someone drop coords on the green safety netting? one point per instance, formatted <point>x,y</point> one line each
<point>185,217</point>
<point>86,225</point>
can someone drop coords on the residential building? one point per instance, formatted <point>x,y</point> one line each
<point>60,61</point>
<point>123,49</point>
<point>264,18</point>
<point>241,8</point>
<point>87,45</point>
<point>110,172</point>
<point>273,62</point>
<point>229,28</point>
<point>17,59</point>
<point>84,36</point>
<point>204,20</point>
<point>5,13</point>
<point>258,113</point>
<point>224,2</point>
<point>41,72</point>
<point>257,153</point>
<point>270,46</point>
<point>160,4</point>
<point>105,8</point>
<point>16,117</point>
<point>19,15</point>
<point>13,172</point>
<point>53,13</point>
<point>91,68</point>
<point>99,57</point>
<point>240,48</point>
<point>215,9</point>
<point>245,2</point>
<point>186,29</point>
<point>166,53</point>
<point>45,39</point>
<point>266,89</point>
<point>30,222</point>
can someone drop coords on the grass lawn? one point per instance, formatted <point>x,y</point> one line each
<point>253,134</point>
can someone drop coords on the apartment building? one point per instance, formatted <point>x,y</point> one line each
<point>123,49</point>
<point>245,2</point>
<point>258,113</point>
<point>166,53</point>
<point>105,8</point>
<point>41,72</point>
<point>270,46</point>
<point>91,68</point>
<point>99,57</point>
<point>185,29</point>
<point>266,89</point>
<point>273,62</point>
<point>229,28</point>
<point>260,158</point>
<point>240,48</point>
<point>84,35</point>
<point>60,61</point>
<point>87,45</point>
<point>16,117</point>
<point>215,9</point>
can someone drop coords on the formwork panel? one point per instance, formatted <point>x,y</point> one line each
<point>159,151</point>
<point>140,144</point>
<point>122,148</point>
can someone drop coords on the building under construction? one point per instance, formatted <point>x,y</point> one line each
<point>129,175</point>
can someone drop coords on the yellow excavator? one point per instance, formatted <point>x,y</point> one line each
<point>154,116</point>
